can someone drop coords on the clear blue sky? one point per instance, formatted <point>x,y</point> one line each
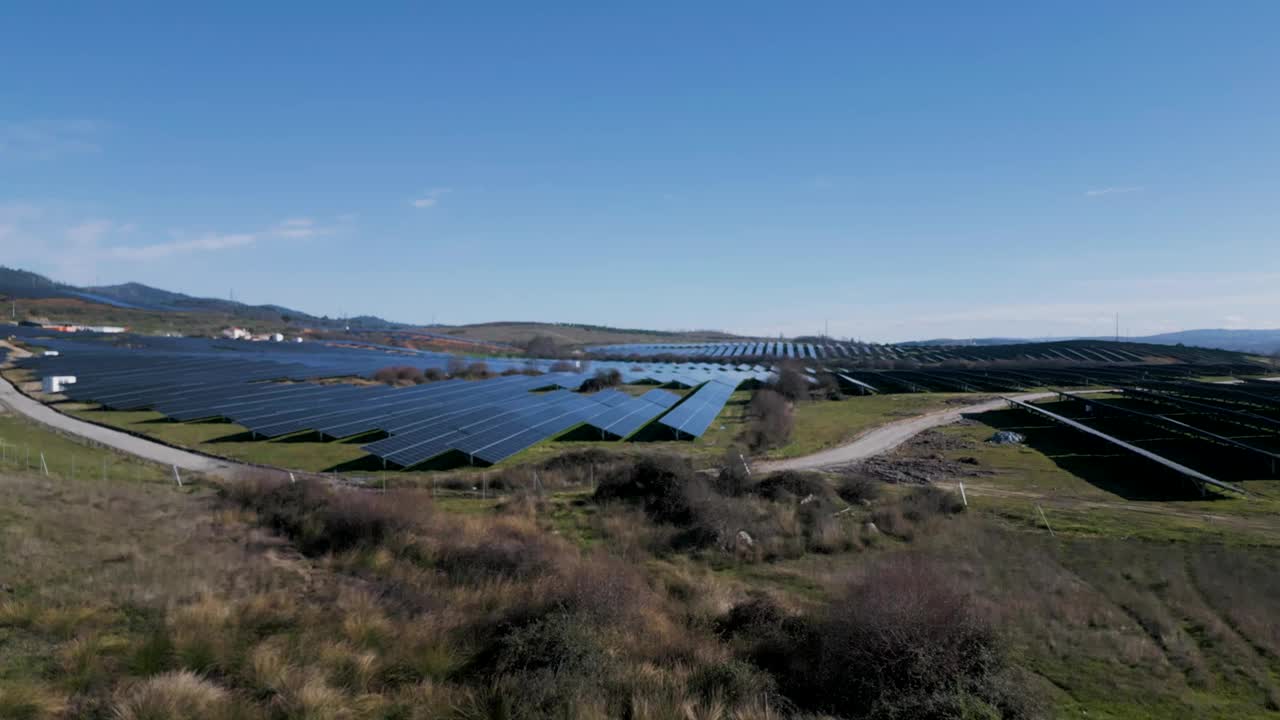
<point>903,170</point>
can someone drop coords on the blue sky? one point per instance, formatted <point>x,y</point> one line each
<point>901,170</point>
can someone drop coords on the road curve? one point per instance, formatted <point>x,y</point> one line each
<point>132,444</point>
<point>886,437</point>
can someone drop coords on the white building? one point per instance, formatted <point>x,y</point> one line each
<point>53,384</point>
<point>235,333</point>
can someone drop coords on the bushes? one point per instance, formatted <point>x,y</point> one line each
<point>322,519</point>
<point>603,379</point>
<point>858,489</point>
<point>543,346</point>
<point>771,418</point>
<point>900,641</point>
<point>400,375</point>
<point>791,383</point>
<point>781,516</point>
<point>661,485</point>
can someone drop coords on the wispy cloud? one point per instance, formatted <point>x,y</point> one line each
<point>296,228</point>
<point>48,139</point>
<point>1123,190</point>
<point>207,242</point>
<point>430,198</point>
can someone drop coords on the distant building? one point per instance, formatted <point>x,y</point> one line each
<point>109,329</point>
<point>235,333</point>
<point>53,384</point>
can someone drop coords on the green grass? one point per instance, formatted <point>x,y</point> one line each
<point>823,424</point>
<point>66,456</point>
<point>229,440</point>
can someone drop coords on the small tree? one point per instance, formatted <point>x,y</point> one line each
<point>771,420</point>
<point>456,367</point>
<point>791,383</point>
<point>542,346</point>
<point>602,379</point>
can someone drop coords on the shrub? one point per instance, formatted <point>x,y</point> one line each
<point>456,366</point>
<point>928,501</point>
<point>901,641</point>
<point>433,374</point>
<point>174,695</point>
<point>400,375</point>
<point>601,380</point>
<point>321,519</point>
<point>542,346</point>
<point>855,489</point>
<point>659,484</point>
<point>793,485</point>
<point>772,420</point>
<point>791,383</point>
<point>27,701</point>
<point>478,371</point>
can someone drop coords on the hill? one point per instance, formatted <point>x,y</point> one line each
<point>1260,342</point>
<point>147,309</point>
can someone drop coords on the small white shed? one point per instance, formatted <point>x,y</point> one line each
<point>53,384</point>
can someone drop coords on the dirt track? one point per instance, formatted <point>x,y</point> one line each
<point>888,437</point>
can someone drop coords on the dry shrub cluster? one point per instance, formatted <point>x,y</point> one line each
<point>900,640</point>
<point>783,515</point>
<point>494,614</point>
<point>602,380</point>
<point>915,510</point>
<point>771,419</point>
<point>400,375</point>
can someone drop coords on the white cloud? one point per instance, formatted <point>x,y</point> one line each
<point>1099,192</point>
<point>48,139</point>
<point>208,242</point>
<point>430,198</point>
<point>296,228</point>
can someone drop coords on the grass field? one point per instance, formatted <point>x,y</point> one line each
<point>822,424</point>
<point>1159,606</point>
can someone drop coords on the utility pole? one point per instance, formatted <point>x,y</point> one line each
<point>1117,327</point>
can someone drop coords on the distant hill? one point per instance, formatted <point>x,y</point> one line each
<point>26,285</point>
<point>1262,342</point>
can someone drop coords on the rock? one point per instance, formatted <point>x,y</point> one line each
<point>871,528</point>
<point>744,538</point>
<point>808,499</point>
<point>1006,437</point>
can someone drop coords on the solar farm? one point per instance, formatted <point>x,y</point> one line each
<point>270,391</point>
<point>321,393</point>
<point>1213,436</point>
<point>873,353</point>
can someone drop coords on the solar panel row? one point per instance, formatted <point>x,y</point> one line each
<point>694,415</point>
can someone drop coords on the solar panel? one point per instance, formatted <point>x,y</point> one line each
<point>696,413</point>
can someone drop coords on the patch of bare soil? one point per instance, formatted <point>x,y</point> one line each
<point>920,461</point>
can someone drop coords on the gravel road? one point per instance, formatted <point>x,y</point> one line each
<point>154,451</point>
<point>886,437</point>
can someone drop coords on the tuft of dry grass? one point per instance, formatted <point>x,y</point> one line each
<point>181,694</point>
<point>23,700</point>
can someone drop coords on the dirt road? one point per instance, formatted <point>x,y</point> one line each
<point>886,437</point>
<point>147,449</point>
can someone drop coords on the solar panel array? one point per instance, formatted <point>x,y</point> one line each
<point>271,393</point>
<point>694,415</point>
<point>624,419</point>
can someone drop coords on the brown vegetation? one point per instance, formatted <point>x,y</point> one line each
<point>771,419</point>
